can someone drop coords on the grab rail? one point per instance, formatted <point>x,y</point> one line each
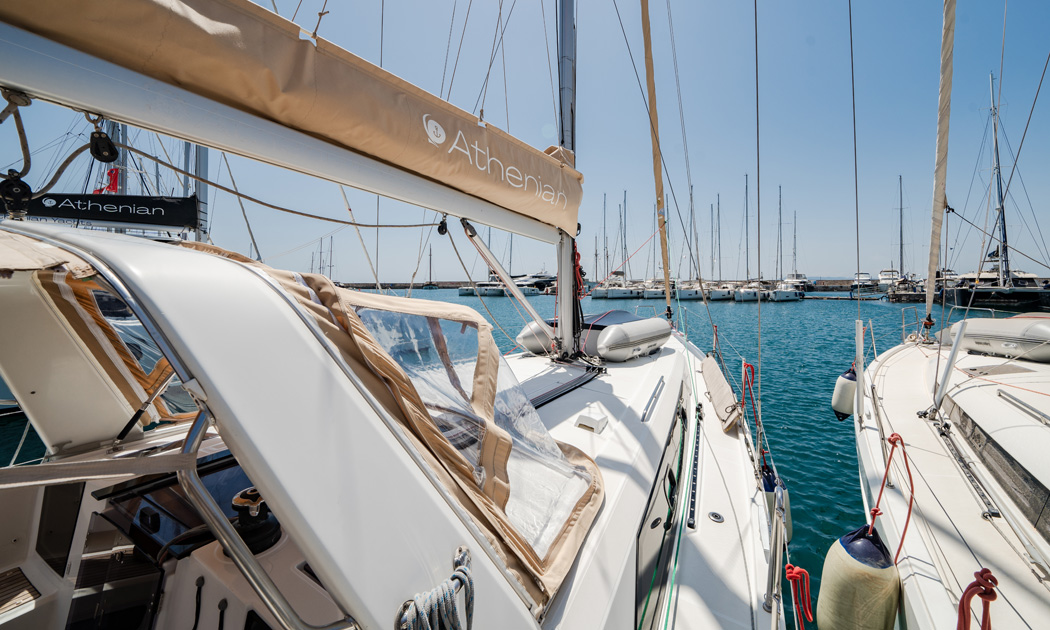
<point>904,325</point>
<point>777,536</point>
<point>232,543</point>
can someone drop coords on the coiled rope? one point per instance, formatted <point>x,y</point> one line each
<point>437,609</point>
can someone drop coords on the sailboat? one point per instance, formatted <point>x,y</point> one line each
<point>1000,286</point>
<point>280,452</point>
<point>752,289</point>
<point>951,442</point>
<point>797,281</point>
<point>430,271</point>
<point>720,291</point>
<point>782,291</point>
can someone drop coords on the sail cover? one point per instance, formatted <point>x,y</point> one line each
<point>244,56</point>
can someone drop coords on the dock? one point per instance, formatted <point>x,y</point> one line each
<point>869,297</point>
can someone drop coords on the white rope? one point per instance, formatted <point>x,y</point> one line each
<point>436,609</point>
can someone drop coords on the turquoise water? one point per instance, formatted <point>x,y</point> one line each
<point>805,346</point>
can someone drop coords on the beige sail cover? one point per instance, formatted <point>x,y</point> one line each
<point>244,56</point>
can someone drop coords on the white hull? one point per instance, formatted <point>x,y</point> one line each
<point>466,290</point>
<point>746,295</point>
<point>655,294</point>
<point>690,294</point>
<point>783,295</point>
<point>622,293</point>
<point>721,295</point>
<point>490,291</point>
<point>599,293</point>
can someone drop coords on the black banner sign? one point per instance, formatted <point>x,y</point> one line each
<point>87,210</point>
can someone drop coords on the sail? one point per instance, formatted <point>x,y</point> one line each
<point>944,110</point>
<point>244,56</point>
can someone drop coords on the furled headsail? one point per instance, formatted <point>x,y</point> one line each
<point>242,55</point>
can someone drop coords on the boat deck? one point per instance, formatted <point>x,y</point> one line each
<point>950,535</point>
<point>721,566</point>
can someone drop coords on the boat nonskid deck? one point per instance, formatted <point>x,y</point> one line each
<point>954,529</point>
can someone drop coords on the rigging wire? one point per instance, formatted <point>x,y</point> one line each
<point>1002,55</point>
<point>462,36</point>
<point>681,110</point>
<point>309,243</point>
<point>362,239</point>
<point>497,46</point>
<point>550,68</point>
<point>969,191</point>
<point>758,220</point>
<point>492,317</point>
<point>506,96</point>
<point>225,189</point>
<point>1006,195</point>
<point>994,239</point>
<point>1031,111</point>
<point>251,234</point>
<point>856,185</point>
<point>448,47</point>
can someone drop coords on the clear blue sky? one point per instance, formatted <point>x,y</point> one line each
<point>806,124</point>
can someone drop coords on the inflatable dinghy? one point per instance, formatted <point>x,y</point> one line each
<point>612,335</point>
<point>1024,336</point>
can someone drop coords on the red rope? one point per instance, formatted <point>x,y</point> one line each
<point>799,579</point>
<point>749,379</point>
<point>895,440</point>
<point>984,587</point>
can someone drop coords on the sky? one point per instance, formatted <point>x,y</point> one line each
<point>805,118</point>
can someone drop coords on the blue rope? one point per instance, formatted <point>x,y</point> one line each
<point>437,610</point>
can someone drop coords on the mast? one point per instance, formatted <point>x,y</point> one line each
<point>780,234</point>
<point>747,237</point>
<point>718,206</point>
<point>712,240</point>
<point>944,109</point>
<point>654,130</point>
<point>568,301</point>
<point>430,279</point>
<point>605,236</point>
<point>623,238</point>
<point>1004,250</point>
<point>900,189</point>
<point>794,244</point>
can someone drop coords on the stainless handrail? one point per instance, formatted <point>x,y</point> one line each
<point>967,309</point>
<point>777,526</point>
<point>232,543</point>
<point>904,325</point>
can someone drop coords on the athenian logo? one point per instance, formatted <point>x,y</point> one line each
<point>49,202</point>
<point>435,132</point>
<point>481,158</point>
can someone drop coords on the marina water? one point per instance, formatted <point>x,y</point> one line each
<point>805,346</point>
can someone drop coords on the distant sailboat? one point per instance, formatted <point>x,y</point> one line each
<point>430,277</point>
